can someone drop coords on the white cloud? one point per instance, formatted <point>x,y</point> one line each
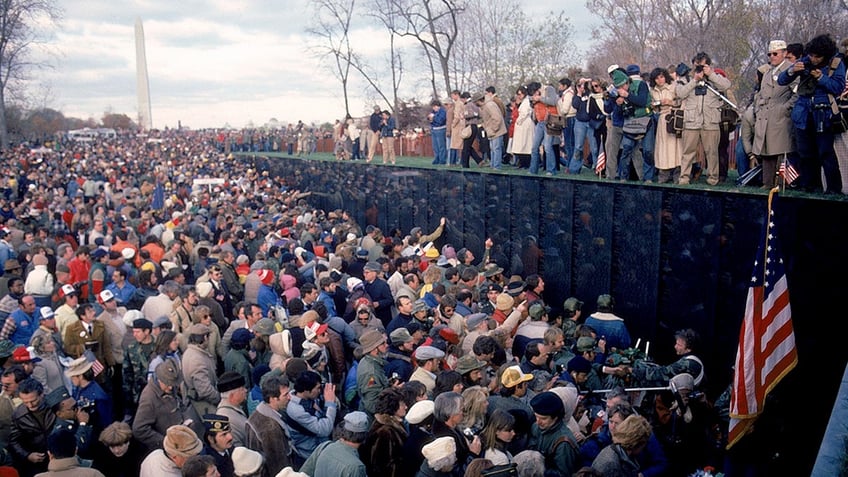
<point>209,62</point>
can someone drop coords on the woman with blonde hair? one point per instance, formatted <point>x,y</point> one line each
<point>48,371</point>
<point>475,402</point>
<point>203,314</point>
<point>122,455</point>
<point>628,439</point>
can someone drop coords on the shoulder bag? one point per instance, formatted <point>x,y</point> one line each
<point>674,122</point>
<point>466,132</point>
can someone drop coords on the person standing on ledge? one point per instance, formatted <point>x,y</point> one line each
<point>438,132</point>
<point>374,125</point>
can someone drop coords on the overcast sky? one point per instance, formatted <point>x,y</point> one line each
<point>210,62</point>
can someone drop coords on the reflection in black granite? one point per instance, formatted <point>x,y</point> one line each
<point>672,257</point>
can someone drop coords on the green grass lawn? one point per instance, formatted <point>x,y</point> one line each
<point>728,186</point>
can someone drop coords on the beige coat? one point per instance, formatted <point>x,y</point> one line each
<point>201,379</point>
<point>773,107</point>
<point>69,467</point>
<point>457,124</point>
<point>522,138</point>
<point>702,111</point>
<point>668,149</point>
<point>493,120</point>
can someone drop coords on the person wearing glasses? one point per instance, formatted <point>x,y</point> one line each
<point>773,126</point>
<point>365,320</point>
<point>219,289</point>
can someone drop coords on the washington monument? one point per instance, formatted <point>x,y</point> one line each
<point>145,117</point>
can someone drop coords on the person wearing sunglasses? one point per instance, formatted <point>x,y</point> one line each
<point>773,126</point>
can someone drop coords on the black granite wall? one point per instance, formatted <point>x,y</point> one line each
<point>672,258</point>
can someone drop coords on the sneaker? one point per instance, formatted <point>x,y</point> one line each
<point>549,174</point>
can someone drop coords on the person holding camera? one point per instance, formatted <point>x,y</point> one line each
<point>701,116</point>
<point>821,75</point>
<point>310,423</point>
<point>635,105</point>
<point>588,101</point>
<point>89,395</point>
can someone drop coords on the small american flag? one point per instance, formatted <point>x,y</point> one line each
<point>788,172</point>
<point>96,365</point>
<point>602,163</point>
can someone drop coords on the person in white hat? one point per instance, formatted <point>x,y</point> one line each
<point>439,457</point>
<point>66,314</point>
<point>247,463</point>
<point>113,317</point>
<point>86,391</point>
<point>773,135</point>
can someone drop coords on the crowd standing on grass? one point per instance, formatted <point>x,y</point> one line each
<point>169,310</point>
<point>669,124</point>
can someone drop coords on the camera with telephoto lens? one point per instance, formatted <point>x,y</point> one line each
<point>699,69</point>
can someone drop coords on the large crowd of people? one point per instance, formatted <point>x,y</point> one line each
<point>168,310</point>
<point>668,124</point>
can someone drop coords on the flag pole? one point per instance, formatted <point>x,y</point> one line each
<point>783,181</point>
<point>773,191</point>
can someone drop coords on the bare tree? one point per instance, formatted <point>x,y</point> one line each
<point>383,12</point>
<point>633,23</point>
<point>500,46</point>
<point>17,36</point>
<point>735,33</point>
<point>434,24</point>
<point>332,27</point>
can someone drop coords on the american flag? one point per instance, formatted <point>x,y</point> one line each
<point>602,163</point>
<point>788,172</point>
<point>96,365</point>
<point>767,349</point>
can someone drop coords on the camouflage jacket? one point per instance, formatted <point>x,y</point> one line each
<point>137,358</point>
